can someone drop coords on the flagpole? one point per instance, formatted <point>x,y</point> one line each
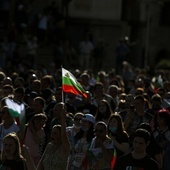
<point>62,95</point>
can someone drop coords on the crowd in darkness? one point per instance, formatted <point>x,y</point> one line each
<point>124,123</point>
<point>106,120</point>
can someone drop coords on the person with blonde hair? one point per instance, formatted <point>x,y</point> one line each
<point>8,124</point>
<point>11,157</point>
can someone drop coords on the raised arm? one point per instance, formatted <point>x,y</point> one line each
<point>29,162</point>
<point>64,138</point>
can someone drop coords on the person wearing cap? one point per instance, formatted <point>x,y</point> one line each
<point>82,141</point>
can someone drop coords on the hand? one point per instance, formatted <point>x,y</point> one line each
<point>25,151</point>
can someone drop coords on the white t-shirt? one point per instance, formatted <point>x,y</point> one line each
<point>80,152</point>
<point>99,159</point>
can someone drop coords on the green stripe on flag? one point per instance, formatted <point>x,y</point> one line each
<point>67,81</point>
<point>13,112</point>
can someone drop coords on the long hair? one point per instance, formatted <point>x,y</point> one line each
<point>90,134</point>
<point>99,116</point>
<point>120,126</point>
<point>17,155</point>
<point>163,113</point>
<point>32,126</point>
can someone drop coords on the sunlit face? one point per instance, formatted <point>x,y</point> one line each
<point>9,147</point>
<point>55,136</point>
<point>139,145</point>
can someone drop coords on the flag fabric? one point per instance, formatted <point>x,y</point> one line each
<point>17,111</point>
<point>113,159</point>
<point>14,108</point>
<point>71,85</point>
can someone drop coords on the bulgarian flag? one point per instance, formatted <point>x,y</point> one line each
<point>71,85</point>
<point>113,159</point>
<point>17,111</point>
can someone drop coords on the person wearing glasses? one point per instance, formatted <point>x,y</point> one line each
<point>8,124</point>
<point>101,149</point>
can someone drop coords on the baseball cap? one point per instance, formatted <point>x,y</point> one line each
<point>89,117</point>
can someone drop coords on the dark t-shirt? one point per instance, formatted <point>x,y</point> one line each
<point>14,165</point>
<point>127,162</point>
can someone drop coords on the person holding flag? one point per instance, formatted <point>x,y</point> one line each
<point>58,149</point>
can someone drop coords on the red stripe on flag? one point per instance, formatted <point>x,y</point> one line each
<point>72,89</point>
<point>113,159</point>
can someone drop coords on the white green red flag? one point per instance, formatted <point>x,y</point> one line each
<point>71,85</point>
<point>17,111</point>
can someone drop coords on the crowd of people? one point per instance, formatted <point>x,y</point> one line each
<point>119,121</point>
<point>122,124</point>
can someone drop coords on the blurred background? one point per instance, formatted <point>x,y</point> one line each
<point>52,27</point>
